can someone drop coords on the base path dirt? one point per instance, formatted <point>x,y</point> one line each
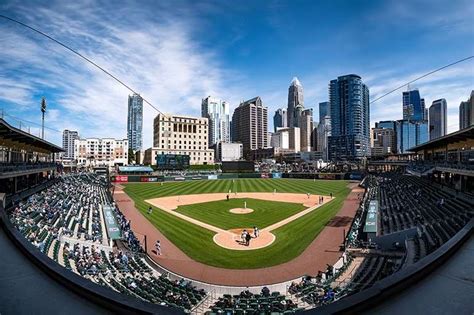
<point>227,239</point>
<point>322,251</point>
<point>173,202</point>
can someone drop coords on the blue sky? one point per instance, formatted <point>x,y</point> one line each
<point>175,53</point>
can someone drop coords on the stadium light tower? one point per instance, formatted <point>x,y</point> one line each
<point>43,110</point>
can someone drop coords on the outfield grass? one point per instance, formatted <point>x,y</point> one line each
<point>197,243</point>
<point>264,213</point>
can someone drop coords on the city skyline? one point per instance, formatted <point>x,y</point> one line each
<point>171,55</point>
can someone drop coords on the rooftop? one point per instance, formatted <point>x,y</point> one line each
<point>457,136</point>
<point>11,136</point>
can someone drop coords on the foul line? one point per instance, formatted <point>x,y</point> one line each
<point>239,195</point>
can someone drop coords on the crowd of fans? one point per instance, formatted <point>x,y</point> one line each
<point>72,207</point>
<point>129,237</point>
<point>69,207</point>
<point>249,303</point>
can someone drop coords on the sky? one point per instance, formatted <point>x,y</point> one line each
<point>174,53</point>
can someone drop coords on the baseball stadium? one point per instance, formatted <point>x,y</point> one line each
<point>202,195</point>
<point>243,243</point>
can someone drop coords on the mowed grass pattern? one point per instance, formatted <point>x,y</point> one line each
<point>264,213</point>
<point>197,243</point>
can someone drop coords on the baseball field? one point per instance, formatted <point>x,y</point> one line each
<point>191,214</point>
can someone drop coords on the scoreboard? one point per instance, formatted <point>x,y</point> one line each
<point>172,162</point>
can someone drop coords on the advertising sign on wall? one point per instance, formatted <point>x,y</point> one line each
<point>148,179</point>
<point>113,229</point>
<point>121,178</point>
<point>276,175</point>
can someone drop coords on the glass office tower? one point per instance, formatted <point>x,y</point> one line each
<point>350,118</point>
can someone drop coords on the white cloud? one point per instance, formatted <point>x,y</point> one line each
<point>453,84</point>
<point>159,60</point>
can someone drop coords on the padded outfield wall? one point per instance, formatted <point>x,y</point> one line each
<point>162,178</point>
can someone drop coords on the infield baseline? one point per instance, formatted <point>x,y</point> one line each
<point>228,239</point>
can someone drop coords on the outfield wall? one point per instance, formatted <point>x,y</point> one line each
<point>163,178</point>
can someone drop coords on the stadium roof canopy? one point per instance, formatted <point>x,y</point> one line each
<point>14,137</point>
<point>457,136</point>
<point>135,169</point>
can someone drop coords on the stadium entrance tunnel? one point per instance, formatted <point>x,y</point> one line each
<point>232,239</point>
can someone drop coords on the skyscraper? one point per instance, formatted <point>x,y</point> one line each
<point>387,125</point>
<point>295,97</point>
<point>250,125</point>
<point>438,119</point>
<point>413,106</point>
<point>323,134</point>
<point>382,141</point>
<point>350,118</point>
<point>324,111</point>
<point>69,136</point>
<point>413,130</point>
<point>280,119</point>
<point>466,112</point>
<point>306,129</point>
<point>135,122</point>
<point>217,112</point>
<point>411,133</point>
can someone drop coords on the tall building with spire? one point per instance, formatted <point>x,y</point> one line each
<point>295,98</point>
<point>135,122</point>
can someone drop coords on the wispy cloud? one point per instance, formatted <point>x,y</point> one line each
<point>160,60</point>
<point>158,53</point>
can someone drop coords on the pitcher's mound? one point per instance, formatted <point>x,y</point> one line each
<point>241,210</point>
<point>232,240</point>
